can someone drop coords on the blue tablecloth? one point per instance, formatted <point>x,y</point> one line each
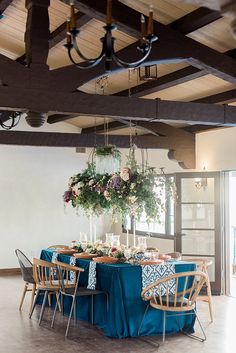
<point>123,283</point>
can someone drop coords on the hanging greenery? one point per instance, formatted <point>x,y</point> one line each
<point>134,191</point>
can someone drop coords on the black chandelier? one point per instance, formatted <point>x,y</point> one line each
<point>145,44</point>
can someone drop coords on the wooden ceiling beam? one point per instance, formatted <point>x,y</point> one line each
<point>114,107</point>
<point>223,97</point>
<point>179,149</point>
<point>194,20</point>
<point>37,33</point>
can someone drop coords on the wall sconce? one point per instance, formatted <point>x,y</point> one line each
<point>201,182</point>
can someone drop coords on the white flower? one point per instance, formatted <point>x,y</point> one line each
<point>125,174</point>
<point>132,199</point>
<point>80,184</point>
<point>91,182</point>
<point>132,185</point>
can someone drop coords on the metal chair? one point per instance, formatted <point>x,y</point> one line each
<point>202,265</point>
<point>45,276</point>
<point>64,275</point>
<point>182,302</point>
<point>26,268</point>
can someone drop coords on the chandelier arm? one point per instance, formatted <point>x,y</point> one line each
<point>134,64</point>
<point>76,47</point>
<point>87,65</point>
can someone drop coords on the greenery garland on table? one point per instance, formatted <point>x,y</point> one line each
<point>131,191</point>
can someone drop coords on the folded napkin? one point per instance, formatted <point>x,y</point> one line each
<point>152,273</point>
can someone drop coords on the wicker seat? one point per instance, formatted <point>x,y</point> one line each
<point>76,291</point>
<point>182,302</point>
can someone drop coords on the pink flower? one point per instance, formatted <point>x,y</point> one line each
<point>106,194</point>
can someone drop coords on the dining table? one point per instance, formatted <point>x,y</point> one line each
<point>123,315</point>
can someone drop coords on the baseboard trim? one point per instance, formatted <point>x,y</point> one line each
<point>10,271</point>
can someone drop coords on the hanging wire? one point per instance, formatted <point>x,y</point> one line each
<point>15,119</point>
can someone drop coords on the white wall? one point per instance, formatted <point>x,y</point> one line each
<point>32,215</point>
<point>216,150</point>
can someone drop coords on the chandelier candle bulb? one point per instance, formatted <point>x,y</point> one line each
<point>150,21</point>
<point>109,12</point>
<point>72,16</point>
<point>143,27</point>
<point>68,35</point>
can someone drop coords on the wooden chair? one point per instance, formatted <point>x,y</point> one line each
<point>58,247</point>
<point>202,265</point>
<point>26,267</point>
<point>45,276</point>
<point>64,276</point>
<point>182,302</point>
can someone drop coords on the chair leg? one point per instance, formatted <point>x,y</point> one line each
<point>49,299</point>
<point>54,314</point>
<point>164,327</point>
<point>71,311</point>
<point>58,300</point>
<point>145,312</point>
<point>43,306</point>
<point>92,308</point>
<point>32,297</point>
<point>194,336</point>
<point>75,311</point>
<point>35,300</point>
<point>209,300</point>
<point>23,295</point>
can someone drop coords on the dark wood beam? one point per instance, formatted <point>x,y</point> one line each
<point>57,139</point>
<point>4,5</point>
<point>12,73</point>
<point>223,97</point>
<point>114,107</point>
<point>194,129</point>
<point>54,139</point>
<point>196,19</point>
<point>37,33</point>
<point>174,78</point>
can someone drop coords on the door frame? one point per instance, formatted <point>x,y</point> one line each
<point>217,285</point>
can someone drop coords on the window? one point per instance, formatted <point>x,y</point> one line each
<point>166,226</point>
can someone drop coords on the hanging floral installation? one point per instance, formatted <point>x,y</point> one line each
<point>134,190</point>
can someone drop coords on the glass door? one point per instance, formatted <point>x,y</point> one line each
<point>198,224</point>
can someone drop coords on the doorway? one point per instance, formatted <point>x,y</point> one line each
<point>230,232</point>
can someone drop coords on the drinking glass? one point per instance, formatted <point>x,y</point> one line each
<point>142,243</point>
<point>127,253</point>
<point>109,238</point>
<point>116,240</point>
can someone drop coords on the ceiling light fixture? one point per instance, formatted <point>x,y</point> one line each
<point>148,73</point>
<point>108,52</point>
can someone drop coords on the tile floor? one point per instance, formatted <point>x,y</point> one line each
<point>18,334</point>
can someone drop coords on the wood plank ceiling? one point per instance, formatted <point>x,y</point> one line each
<point>207,77</point>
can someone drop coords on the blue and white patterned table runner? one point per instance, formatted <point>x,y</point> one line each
<point>152,273</point>
<point>92,276</point>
